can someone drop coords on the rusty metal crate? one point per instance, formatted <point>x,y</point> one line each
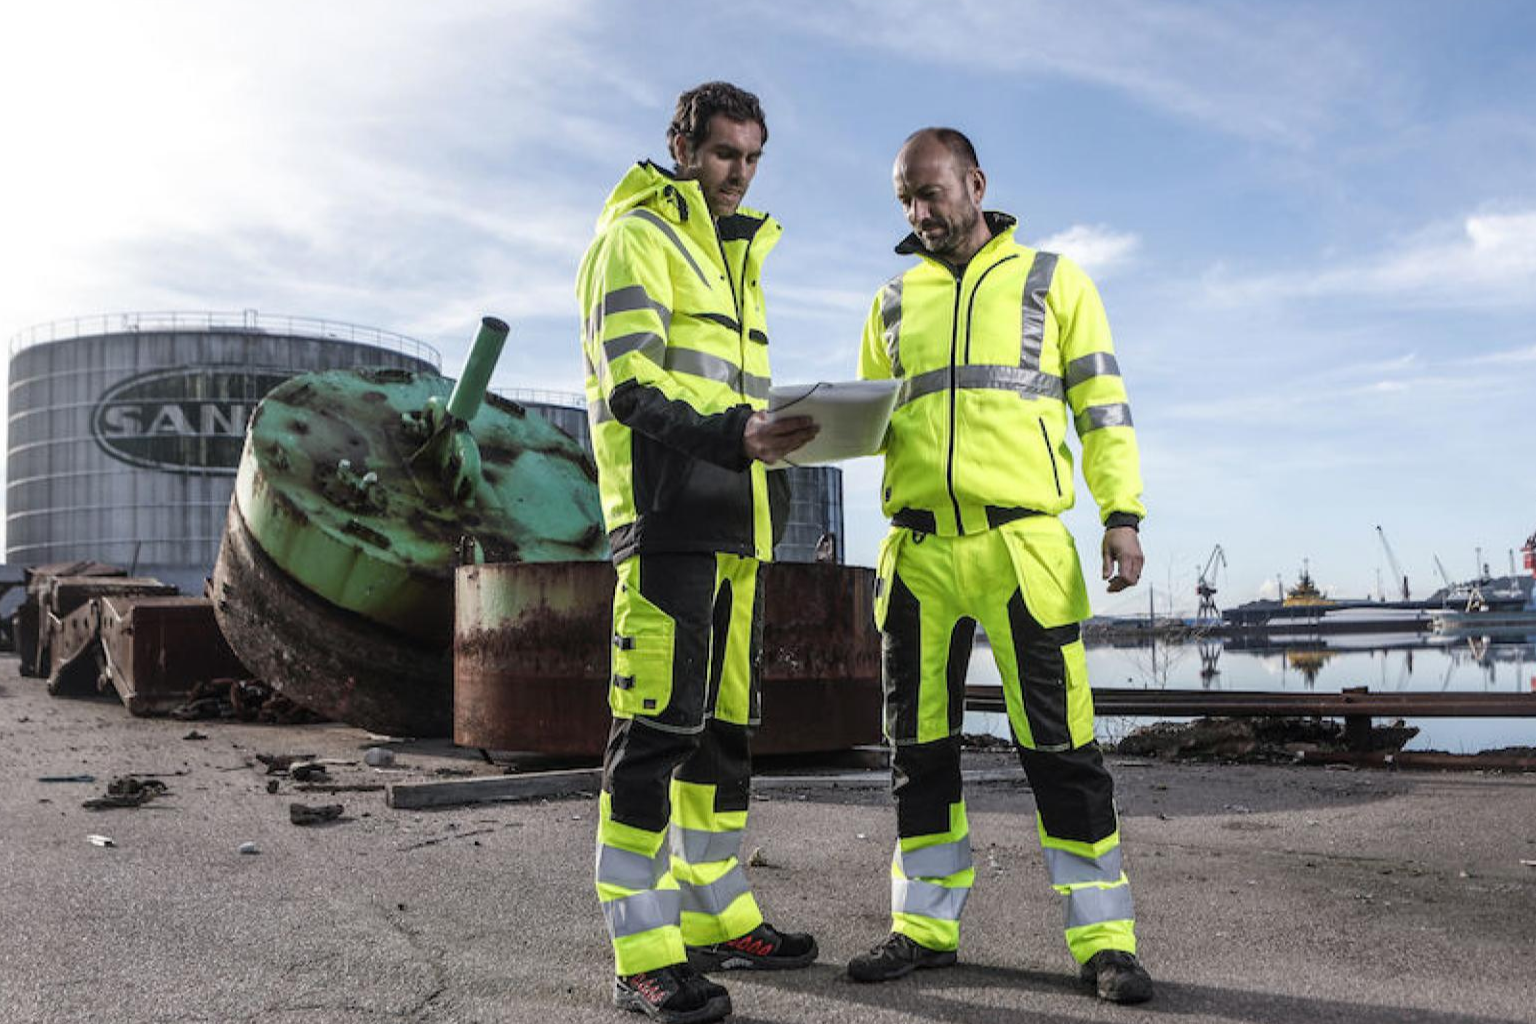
<point>156,649</point>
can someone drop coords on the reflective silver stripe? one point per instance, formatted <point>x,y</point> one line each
<point>702,364</point>
<point>697,846</point>
<point>1090,904</point>
<point>642,912</point>
<point>1068,868</point>
<point>598,411</point>
<point>647,343</point>
<point>629,869</point>
<point>939,861</point>
<point>1000,378</point>
<point>714,898</point>
<point>666,229</point>
<point>928,900</point>
<point>1094,364</point>
<point>1096,416</point>
<point>1036,285</point>
<point>632,299</point>
<point>890,319</point>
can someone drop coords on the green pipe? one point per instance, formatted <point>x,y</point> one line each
<point>470,390</point>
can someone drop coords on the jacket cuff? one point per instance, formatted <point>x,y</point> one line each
<point>1130,519</point>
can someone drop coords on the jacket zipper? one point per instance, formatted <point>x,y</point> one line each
<point>954,343</point>
<point>741,324</point>
<point>1045,437</point>
<point>971,306</point>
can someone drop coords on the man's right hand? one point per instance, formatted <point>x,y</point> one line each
<point>770,438</point>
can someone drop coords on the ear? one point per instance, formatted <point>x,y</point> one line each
<point>682,151</point>
<point>978,184</point>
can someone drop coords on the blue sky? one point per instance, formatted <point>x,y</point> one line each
<point>1313,224</point>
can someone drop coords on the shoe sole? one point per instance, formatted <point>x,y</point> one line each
<point>938,959</point>
<point>701,960</point>
<point>717,1008</point>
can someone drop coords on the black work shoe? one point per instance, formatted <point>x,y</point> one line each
<point>676,994</point>
<point>764,948</point>
<point>897,957</point>
<point>1117,976</point>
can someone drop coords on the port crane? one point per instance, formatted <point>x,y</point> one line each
<point>1206,587</point>
<point>1397,570</point>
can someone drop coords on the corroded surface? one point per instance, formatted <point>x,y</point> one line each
<point>531,658</point>
<point>327,659</point>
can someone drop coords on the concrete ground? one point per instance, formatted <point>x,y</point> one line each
<point>1265,895</point>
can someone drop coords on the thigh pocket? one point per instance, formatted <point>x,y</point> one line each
<point>643,636</point>
<point>885,573</point>
<point>1045,562</point>
<point>1079,694</point>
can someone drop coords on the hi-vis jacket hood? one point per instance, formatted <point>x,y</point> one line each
<point>675,339</point>
<point>996,360</point>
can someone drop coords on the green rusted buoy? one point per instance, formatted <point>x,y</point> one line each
<point>358,493</point>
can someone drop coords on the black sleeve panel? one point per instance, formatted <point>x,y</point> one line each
<point>717,437</point>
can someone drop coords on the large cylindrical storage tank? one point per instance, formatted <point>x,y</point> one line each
<point>815,512</point>
<point>125,431</point>
<point>816,502</point>
<point>565,410</point>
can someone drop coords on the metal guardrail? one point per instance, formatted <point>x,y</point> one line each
<point>1357,706</point>
<point>563,399</point>
<point>245,320</point>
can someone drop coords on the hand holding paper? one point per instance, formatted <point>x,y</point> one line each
<point>852,417</point>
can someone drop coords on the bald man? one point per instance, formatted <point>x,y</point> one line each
<point>998,348</point>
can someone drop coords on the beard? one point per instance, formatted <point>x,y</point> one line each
<point>952,234</point>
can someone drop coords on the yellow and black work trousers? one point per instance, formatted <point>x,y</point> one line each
<point>1022,582</point>
<point>687,639</point>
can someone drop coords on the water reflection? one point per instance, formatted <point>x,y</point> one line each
<point>1389,662</point>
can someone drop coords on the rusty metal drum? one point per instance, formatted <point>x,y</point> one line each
<point>530,658</point>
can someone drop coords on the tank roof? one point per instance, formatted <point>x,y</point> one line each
<point>247,321</point>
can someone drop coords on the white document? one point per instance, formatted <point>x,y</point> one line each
<point>852,414</point>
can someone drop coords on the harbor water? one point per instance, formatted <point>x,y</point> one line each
<point>1385,663</point>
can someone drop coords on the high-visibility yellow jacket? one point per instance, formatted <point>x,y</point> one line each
<point>991,359</point>
<point>676,347</point>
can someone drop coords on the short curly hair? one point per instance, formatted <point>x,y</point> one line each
<point>696,106</point>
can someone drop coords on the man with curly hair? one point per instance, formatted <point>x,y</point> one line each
<point>676,345</point>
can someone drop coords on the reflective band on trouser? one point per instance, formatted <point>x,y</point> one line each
<point>1099,912</point>
<point>1094,364</point>
<point>1068,868</point>
<point>1096,416</point>
<point>702,364</point>
<point>717,906</point>
<point>643,912</point>
<point>629,869</point>
<point>697,846</point>
<point>929,887</point>
<point>1032,327</point>
<point>939,861</point>
<point>714,898</point>
<point>890,321</point>
<point>927,899</point>
<point>983,377</point>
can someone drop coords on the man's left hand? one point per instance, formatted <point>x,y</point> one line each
<point>1122,557</point>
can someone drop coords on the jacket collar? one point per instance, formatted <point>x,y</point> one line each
<point>998,223</point>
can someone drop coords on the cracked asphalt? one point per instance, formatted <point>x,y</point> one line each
<point>1265,895</point>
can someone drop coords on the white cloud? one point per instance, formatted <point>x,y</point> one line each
<point>1255,72</point>
<point>1096,247</point>
<point>1486,258</point>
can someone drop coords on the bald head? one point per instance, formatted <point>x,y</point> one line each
<point>951,139</point>
<point>940,188</point>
